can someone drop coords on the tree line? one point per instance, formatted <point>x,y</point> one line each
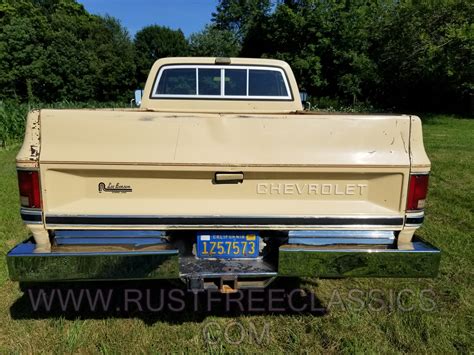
<point>393,55</point>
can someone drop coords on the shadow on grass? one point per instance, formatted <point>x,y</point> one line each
<point>159,301</point>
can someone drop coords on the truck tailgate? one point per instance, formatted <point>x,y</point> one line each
<point>147,169</point>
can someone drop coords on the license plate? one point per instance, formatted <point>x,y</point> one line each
<point>228,245</point>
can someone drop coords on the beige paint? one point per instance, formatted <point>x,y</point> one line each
<point>41,236</point>
<point>28,156</point>
<point>169,159</point>
<point>420,162</point>
<point>169,151</point>
<point>406,235</point>
<point>157,138</point>
<point>171,191</point>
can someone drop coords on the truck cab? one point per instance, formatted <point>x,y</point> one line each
<point>222,180</point>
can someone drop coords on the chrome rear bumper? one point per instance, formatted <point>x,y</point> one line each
<point>131,259</point>
<point>116,255</point>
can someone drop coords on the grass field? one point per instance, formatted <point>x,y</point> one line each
<point>379,323</point>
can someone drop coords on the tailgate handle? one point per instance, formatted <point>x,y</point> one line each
<point>228,178</point>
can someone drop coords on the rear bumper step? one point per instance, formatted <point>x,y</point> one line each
<point>193,267</point>
<point>226,275</point>
<point>149,256</point>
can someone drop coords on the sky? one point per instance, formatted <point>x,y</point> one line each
<point>188,15</point>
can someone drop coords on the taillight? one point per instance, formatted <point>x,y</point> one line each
<point>417,191</point>
<point>29,186</point>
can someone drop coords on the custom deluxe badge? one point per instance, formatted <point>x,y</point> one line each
<point>117,188</point>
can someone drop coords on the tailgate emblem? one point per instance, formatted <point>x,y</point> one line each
<point>117,188</point>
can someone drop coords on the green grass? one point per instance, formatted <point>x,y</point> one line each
<point>346,328</point>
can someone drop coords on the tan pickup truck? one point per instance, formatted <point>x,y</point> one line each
<point>222,180</point>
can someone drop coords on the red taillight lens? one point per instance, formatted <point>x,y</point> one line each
<point>417,191</point>
<point>29,186</point>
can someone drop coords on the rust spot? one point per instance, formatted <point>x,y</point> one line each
<point>34,152</point>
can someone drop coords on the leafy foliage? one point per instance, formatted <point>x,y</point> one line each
<point>240,16</point>
<point>154,42</point>
<point>213,42</point>
<point>54,50</point>
<point>425,54</point>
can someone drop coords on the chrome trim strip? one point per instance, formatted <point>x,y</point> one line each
<point>223,216</point>
<point>31,211</point>
<point>413,225</point>
<point>418,247</point>
<point>338,237</point>
<point>224,227</point>
<point>415,214</point>
<point>118,233</point>
<point>31,216</point>
<point>27,249</point>
<point>340,241</point>
<point>109,253</point>
<point>414,221</point>
<point>342,234</point>
<point>129,242</point>
<point>135,239</point>
<point>223,220</point>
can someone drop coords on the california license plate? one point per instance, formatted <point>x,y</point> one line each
<point>228,245</point>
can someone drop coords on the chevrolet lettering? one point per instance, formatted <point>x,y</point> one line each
<point>311,189</point>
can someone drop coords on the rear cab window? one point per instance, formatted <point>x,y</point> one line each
<point>229,82</point>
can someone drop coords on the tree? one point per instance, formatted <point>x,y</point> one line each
<point>115,52</point>
<point>22,28</point>
<point>424,52</point>
<point>325,42</point>
<point>240,16</point>
<point>213,42</point>
<point>53,50</point>
<point>395,54</point>
<point>154,42</point>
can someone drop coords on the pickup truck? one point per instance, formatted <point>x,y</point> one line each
<point>221,179</point>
